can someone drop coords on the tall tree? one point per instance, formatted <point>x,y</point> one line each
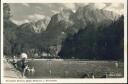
<point>6,11</point>
<point>9,30</point>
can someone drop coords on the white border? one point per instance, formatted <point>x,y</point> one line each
<point>60,1</point>
<point>97,80</point>
<point>1,54</point>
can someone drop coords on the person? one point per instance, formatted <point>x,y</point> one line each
<point>24,63</point>
<point>116,64</point>
<point>92,75</point>
<point>15,61</point>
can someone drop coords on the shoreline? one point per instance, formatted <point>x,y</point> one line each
<point>69,60</point>
<point>11,71</point>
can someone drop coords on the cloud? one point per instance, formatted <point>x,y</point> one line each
<point>77,5</point>
<point>36,11</point>
<point>35,17</point>
<point>20,22</point>
<point>100,5</point>
<point>54,11</point>
<point>116,7</point>
<point>38,7</point>
<point>26,4</point>
<point>69,6</point>
<point>50,5</point>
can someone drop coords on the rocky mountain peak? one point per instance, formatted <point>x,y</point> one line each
<point>91,15</point>
<point>37,26</point>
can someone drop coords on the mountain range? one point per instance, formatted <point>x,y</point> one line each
<point>54,31</point>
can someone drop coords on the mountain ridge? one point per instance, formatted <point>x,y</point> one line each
<point>43,34</point>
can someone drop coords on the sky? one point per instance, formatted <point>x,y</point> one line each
<point>26,12</point>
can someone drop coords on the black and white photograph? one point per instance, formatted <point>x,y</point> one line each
<point>63,40</point>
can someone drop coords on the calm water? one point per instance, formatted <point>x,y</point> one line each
<point>71,69</point>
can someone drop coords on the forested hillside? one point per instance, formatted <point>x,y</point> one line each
<point>102,43</point>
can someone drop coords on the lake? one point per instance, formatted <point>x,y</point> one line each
<point>55,68</point>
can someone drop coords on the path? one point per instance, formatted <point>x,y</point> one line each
<point>10,71</point>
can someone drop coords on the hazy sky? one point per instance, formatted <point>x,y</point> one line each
<point>25,12</point>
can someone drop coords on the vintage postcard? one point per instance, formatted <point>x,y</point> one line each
<point>63,41</point>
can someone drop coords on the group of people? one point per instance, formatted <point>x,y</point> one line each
<point>24,64</point>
